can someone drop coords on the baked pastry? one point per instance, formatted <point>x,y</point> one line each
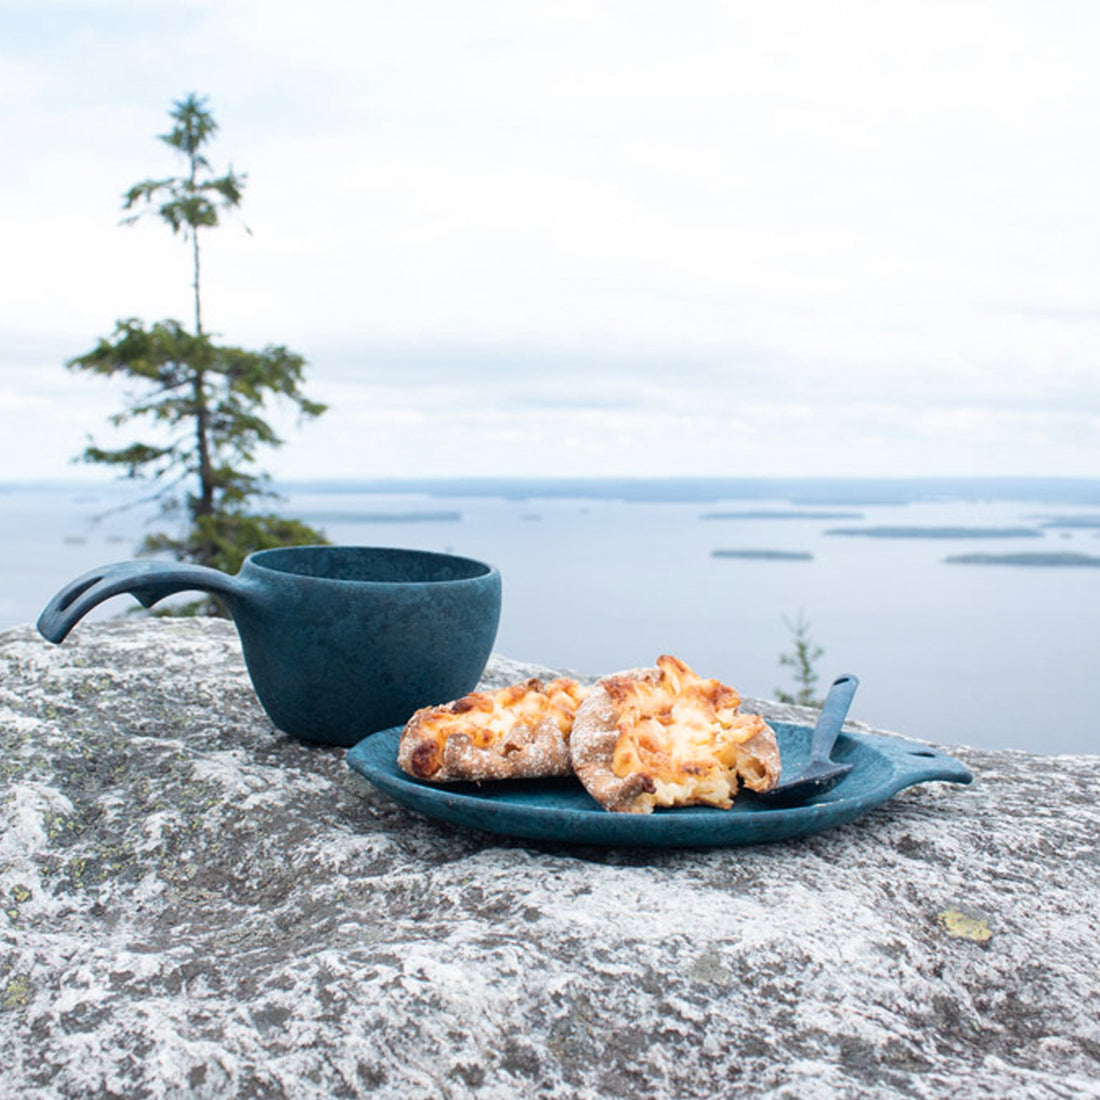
<point>519,732</point>
<point>665,737</point>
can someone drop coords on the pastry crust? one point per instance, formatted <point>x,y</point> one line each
<point>519,732</point>
<point>665,737</point>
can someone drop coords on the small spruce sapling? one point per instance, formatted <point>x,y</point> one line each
<point>802,660</point>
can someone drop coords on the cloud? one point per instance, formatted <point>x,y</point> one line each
<point>1085,315</point>
<point>557,219</point>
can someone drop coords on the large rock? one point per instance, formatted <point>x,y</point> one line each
<point>197,905</point>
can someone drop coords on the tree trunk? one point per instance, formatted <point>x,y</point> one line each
<point>195,254</point>
<point>204,503</point>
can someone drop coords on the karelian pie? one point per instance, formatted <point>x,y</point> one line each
<point>665,737</point>
<point>519,732</point>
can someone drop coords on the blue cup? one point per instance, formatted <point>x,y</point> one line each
<point>340,641</point>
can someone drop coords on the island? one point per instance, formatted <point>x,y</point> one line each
<point>764,555</point>
<point>939,532</point>
<point>1056,561</point>
<point>1079,523</point>
<point>790,514</point>
<point>382,517</point>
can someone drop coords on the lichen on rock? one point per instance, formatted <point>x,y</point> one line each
<point>204,906</point>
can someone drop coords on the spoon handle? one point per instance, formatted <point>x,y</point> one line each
<point>833,712</point>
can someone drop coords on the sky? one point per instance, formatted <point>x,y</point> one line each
<point>579,237</point>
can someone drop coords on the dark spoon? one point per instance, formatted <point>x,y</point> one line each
<point>821,774</point>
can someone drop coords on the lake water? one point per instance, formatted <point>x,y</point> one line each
<point>988,655</point>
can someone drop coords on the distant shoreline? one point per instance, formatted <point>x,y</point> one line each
<point>797,491</point>
<point>809,492</point>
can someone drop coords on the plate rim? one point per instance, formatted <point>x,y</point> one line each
<point>684,827</point>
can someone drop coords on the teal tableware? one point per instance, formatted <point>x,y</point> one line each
<point>562,811</point>
<point>340,641</point>
<point>821,773</point>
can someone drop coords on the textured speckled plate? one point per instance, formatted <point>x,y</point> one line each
<point>562,810</point>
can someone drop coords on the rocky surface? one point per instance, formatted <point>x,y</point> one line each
<point>196,905</point>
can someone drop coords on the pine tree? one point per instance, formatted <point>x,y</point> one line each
<point>206,398</point>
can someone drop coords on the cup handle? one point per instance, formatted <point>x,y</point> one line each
<point>149,581</point>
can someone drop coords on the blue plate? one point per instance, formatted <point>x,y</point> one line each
<point>561,810</point>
